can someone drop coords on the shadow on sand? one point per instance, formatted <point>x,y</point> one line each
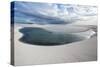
<point>39,36</point>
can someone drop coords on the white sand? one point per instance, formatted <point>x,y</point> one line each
<point>26,54</point>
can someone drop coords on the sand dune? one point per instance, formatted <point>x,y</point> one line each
<point>27,54</point>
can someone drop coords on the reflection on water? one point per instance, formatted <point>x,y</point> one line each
<point>39,36</point>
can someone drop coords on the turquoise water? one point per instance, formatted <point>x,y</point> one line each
<point>38,36</point>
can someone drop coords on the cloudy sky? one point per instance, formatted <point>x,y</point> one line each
<point>51,13</point>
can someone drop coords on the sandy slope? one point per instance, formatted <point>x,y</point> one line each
<point>26,54</point>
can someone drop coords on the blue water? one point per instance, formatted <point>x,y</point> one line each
<point>39,36</point>
<point>49,13</point>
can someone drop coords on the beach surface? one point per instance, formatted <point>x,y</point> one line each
<point>28,54</point>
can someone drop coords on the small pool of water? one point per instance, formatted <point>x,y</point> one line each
<point>41,36</point>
